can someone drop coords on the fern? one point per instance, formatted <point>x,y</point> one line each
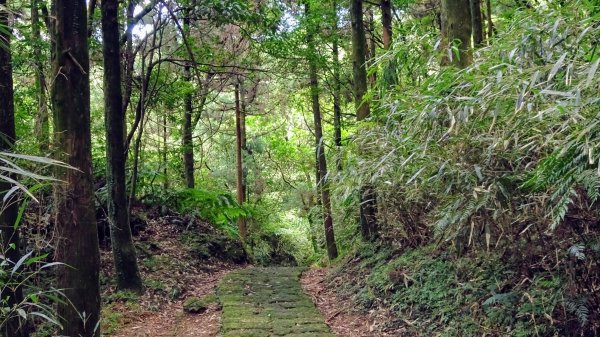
<point>508,298</point>
<point>577,250</point>
<point>578,307</point>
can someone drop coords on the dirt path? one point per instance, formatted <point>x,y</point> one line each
<point>172,321</point>
<point>341,314</point>
<point>266,302</point>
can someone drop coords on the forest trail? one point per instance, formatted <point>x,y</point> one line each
<point>264,302</point>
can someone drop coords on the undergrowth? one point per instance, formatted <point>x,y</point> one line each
<point>488,181</point>
<point>437,294</point>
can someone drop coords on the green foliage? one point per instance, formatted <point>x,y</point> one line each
<point>444,296</point>
<point>37,302</point>
<point>217,207</point>
<point>510,139</point>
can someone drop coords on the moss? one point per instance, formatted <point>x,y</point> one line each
<point>198,305</point>
<point>268,302</point>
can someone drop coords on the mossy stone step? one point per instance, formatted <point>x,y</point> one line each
<point>268,302</point>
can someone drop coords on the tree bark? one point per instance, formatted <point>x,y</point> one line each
<point>477,23</point>
<point>386,21</point>
<point>187,139</point>
<point>123,250</point>
<point>9,237</point>
<point>456,33</point>
<point>337,90</point>
<point>165,151</point>
<point>490,23</point>
<point>371,47</point>
<point>244,145</point>
<point>41,127</point>
<point>389,74</point>
<point>359,59</point>
<point>240,187</point>
<point>75,221</point>
<point>367,208</point>
<point>321,161</point>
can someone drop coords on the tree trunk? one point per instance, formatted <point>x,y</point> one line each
<point>244,144</point>
<point>75,221</point>
<point>368,219</point>
<point>337,91</point>
<point>390,75</point>
<point>477,23</point>
<point>240,188</point>
<point>165,151</point>
<point>125,261</point>
<point>368,212</point>
<point>358,59</point>
<point>371,47</point>
<point>321,161</point>
<point>128,57</point>
<point>41,127</point>
<point>188,146</point>
<point>490,23</point>
<point>456,33</point>
<point>9,244</point>
<point>386,21</point>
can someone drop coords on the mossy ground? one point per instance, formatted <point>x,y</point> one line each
<point>266,302</point>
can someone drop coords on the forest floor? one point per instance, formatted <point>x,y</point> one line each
<point>179,297</point>
<point>172,274</point>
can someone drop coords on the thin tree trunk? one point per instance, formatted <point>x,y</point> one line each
<point>244,145</point>
<point>187,144</point>
<point>128,57</point>
<point>138,141</point>
<point>240,188</point>
<point>359,59</point>
<point>371,47</point>
<point>164,153</point>
<point>490,23</point>
<point>123,250</point>
<point>321,161</point>
<point>187,141</point>
<point>9,237</point>
<point>368,208</point>
<point>41,127</point>
<point>75,221</point>
<point>477,23</point>
<point>389,74</point>
<point>337,91</point>
<point>456,33</point>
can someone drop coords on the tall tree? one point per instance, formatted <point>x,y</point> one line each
<point>188,146</point>
<point>389,75</point>
<point>9,208</point>
<point>337,88</point>
<point>490,23</point>
<point>240,122</point>
<point>321,161</point>
<point>371,46</point>
<point>75,221</point>
<point>477,23</point>
<point>368,199</point>
<point>42,125</point>
<point>125,261</point>
<point>386,21</point>
<point>456,32</point>
<point>359,56</point>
